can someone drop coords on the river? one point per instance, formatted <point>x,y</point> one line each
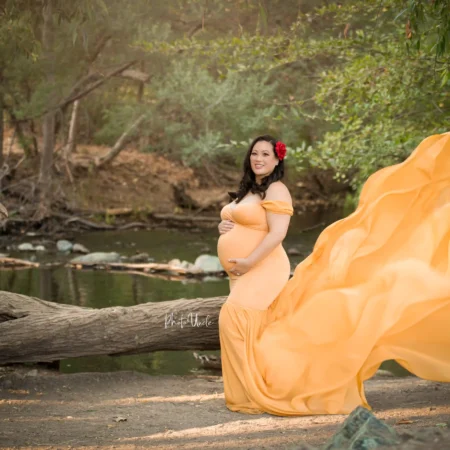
<point>98,289</point>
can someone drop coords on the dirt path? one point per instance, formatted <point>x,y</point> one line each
<point>60,411</point>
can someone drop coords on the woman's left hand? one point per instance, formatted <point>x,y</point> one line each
<point>241,266</point>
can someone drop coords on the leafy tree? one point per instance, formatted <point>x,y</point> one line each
<point>195,113</point>
<point>374,95</point>
<point>429,26</point>
<point>348,85</point>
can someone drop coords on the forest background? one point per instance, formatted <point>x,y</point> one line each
<point>116,111</point>
<point>350,86</point>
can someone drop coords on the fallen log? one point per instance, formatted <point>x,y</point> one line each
<point>15,263</point>
<point>157,270</point>
<point>34,330</point>
<point>175,220</point>
<point>148,268</point>
<point>118,211</point>
<point>90,224</point>
<point>132,225</point>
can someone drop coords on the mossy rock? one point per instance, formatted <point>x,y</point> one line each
<point>363,431</point>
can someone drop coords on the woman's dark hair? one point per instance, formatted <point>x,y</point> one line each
<point>248,182</point>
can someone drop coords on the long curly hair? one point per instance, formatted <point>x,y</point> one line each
<point>248,182</point>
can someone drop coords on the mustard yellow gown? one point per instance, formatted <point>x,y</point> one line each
<point>376,287</point>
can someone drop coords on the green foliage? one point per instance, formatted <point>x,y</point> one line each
<point>374,99</point>
<point>380,106</point>
<point>430,25</point>
<point>349,85</point>
<point>194,115</point>
<point>116,119</point>
<point>207,111</point>
<point>24,67</point>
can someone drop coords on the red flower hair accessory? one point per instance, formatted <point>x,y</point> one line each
<point>280,150</point>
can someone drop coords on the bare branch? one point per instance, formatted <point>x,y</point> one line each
<point>119,145</point>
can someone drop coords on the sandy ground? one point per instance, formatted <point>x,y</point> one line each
<point>127,410</point>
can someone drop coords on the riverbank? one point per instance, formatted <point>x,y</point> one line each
<point>127,410</point>
<point>138,190</point>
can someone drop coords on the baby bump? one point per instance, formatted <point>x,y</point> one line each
<point>238,243</point>
<point>260,286</point>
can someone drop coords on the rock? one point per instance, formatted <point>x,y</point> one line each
<point>384,374</point>
<point>139,258</point>
<point>25,247</point>
<point>40,248</point>
<point>211,278</point>
<point>78,248</point>
<point>423,439</point>
<point>119,419</point>
<point>188,265</point>
<point>208,263</point>
<point>97,258</point>
<point>32,373</point>
<point>7,384</point>
<point>362,431</point>
<point>211,362</point>
<point>175,262</point>
<point>4,255</point>
<point>293,251</point>
<point>64,246</point>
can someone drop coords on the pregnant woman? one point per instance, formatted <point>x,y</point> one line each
<point>376,287</point>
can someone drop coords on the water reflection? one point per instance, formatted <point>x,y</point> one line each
<point>98,289</point>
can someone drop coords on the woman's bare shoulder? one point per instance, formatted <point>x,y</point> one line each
<point>278,191</point>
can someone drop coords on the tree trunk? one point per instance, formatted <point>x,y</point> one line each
<point>48,126</point>
<point>69,148</point>
<point>119,145</point>
<point>22,139</point>
<point>35,148</point>
<point>71,141</point>
<point>33,330</point>
<point>143,140</point>
<point>1,127</point>
<point>33,134</point>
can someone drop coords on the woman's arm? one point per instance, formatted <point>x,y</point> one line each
<point>278,226</point>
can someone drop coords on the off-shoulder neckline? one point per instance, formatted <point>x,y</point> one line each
<point>242,203</point>
<point>258,204</point>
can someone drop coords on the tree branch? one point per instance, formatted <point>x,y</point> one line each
<point>73,96</point>
<point>119,145</point>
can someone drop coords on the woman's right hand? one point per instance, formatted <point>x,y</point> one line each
<point>225,226</point>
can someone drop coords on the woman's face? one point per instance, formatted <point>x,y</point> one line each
<point>262,159</point>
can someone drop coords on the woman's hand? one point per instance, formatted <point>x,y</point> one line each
<point>225,226</point>
<point>241,266</point>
